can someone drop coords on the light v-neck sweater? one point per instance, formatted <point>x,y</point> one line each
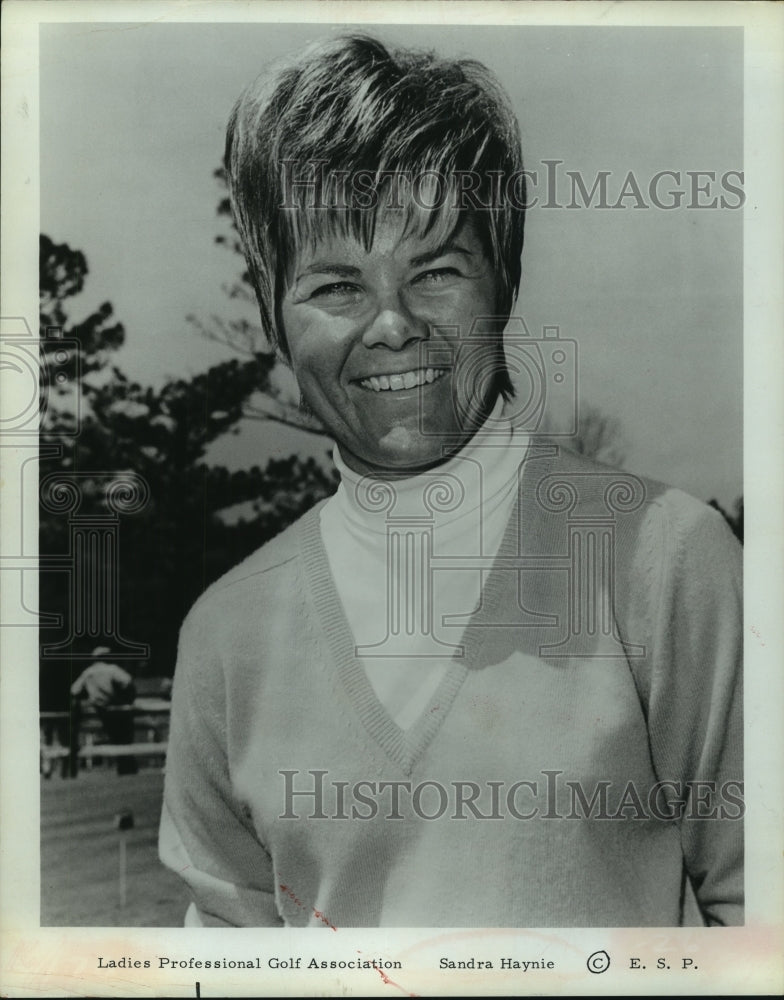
<point>551,782</point>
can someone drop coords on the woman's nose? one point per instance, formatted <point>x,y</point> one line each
<point>393,325</point>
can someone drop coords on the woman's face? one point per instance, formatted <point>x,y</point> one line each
<point>373,337</point>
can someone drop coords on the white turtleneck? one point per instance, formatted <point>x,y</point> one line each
<point>406,615</point>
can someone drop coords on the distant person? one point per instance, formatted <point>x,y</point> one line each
<point>110,692</point>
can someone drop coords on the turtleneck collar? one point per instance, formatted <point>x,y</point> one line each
<point>481,473</point>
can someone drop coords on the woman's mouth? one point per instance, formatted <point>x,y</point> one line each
<point>403,380</point>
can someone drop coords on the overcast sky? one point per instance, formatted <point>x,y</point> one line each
<point>132,126</point>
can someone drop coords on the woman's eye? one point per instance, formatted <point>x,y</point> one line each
<point>336,289</point>
<point>436,276</point>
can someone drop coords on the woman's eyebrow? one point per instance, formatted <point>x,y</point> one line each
<point>325,267</point>
<point>441,251</point>
<point>349,271</point>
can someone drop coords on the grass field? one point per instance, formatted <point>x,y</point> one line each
<point>80,853</point>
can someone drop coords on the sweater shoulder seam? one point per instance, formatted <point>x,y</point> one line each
<point>237,577</point>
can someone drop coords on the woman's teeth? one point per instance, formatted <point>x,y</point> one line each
<point>406,380</point>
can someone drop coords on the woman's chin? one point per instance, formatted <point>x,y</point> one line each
<point>402,452</point>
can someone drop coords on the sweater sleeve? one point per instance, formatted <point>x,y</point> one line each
<point>206,837</point>
<point>695,701</point>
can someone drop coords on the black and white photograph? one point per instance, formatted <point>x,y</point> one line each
<point>374,557</point>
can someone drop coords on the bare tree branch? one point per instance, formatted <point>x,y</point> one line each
<point>283,413</point>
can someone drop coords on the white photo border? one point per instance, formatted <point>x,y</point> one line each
<point>52,961</point>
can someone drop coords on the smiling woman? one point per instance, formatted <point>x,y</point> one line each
<point>499,681</point>
<point>360,346</point>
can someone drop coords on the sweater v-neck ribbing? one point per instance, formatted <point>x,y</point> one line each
<point>406,747</point>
